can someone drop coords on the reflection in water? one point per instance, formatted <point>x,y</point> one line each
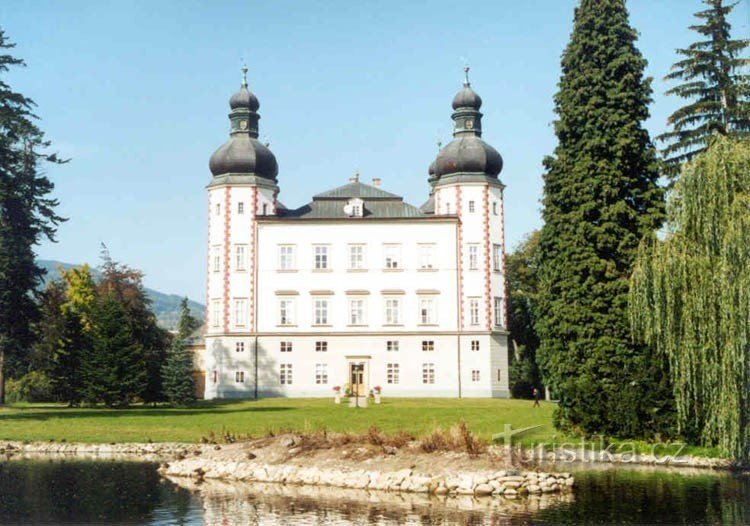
<point>118,492</point>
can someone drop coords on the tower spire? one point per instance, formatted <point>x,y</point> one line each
<point>466,75</point>
<point>244,76</point>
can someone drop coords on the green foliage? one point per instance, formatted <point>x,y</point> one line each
<point>600,198</point>
<point>34,386</point>
<point>711,72</point>
<point>523,288</point>
<point>690,296</point>
<point>177,375</point>
<point>26,216</point>
<point>187,323</point>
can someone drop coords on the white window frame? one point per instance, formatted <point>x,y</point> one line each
<point>357,312</point>
<point>475,345</point>
<point>285,374</point>
<point>473,256</point>
<point>321,373</point>
<point>356,257</point>
<point>475,375</point>
<point>392,256</point>
<point>392,373</point>
<point>240,207</point>
<point>472,207</point>
<point>321,311</point>
<point>240,258</point>
<point>216,258</point>
<point>287,257</point>
<point>287,310</point>
<point>497,257</point>
<point>321,346</point>
<point>239,347</point>
<point>286,346</point>
<point>428,373</point>
<point>321,257</point>
<point>494,207</point>
<point>240,312</point>
<point>215,313</point>
<point>474,310</point>
<point>239,377</point>
<point>498,304</point>
<point>428,345</point>
<point>426,253</point>
<point>218,209</point>
<point>392,314</point>
<point>392,346</point>
<point>427,311</point>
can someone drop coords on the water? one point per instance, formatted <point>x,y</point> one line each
<point>117,492</point>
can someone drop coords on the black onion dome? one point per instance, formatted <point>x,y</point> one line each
<point>431,169</point>
<point>244,99</point>
<point>243,154</point>
<point>469,154</point>
<point>467,98</point>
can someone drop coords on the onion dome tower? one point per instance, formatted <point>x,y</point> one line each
<point>467,154</point>
<point>243,153</point>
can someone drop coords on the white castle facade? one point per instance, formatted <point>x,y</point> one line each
<point>357,288</point>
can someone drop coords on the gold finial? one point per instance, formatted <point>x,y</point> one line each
<point>244,75</point>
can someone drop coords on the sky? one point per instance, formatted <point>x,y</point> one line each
<point>135,93</point>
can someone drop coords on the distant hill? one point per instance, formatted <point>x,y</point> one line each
<point>165,306</point>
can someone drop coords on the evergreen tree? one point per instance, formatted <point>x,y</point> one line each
<point>177,374</point>
<point>188,323</point>
<point>26,215</point>
<point>713,79</point>
<point>522,288</point>
<point>690,296</point>
<point>113,372</point>
<point>600,198</point>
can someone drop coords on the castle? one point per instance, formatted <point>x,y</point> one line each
<point>356,288</point>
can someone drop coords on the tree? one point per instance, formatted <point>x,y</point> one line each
<point>522,287</point>
<point>600,198</point>
<point>113,372</point>
<point>26,215</point>
<point>690,296</point>
<point>188,323</point>
<point>177,374</point>
<point>712,78</point>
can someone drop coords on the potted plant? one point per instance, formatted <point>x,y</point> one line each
<point>337,394</point>
<point>376,393</point>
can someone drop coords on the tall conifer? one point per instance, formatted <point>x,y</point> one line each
<point>712,74</point>
<point>600,198</point>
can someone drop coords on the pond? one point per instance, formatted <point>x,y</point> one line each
<point>118,492</point>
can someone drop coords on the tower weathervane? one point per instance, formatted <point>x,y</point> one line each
<point>244,75</point>
<point>466,75</point>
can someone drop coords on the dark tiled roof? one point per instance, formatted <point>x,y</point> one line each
<point>356,189</point>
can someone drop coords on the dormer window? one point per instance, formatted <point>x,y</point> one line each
<point>354,207</point>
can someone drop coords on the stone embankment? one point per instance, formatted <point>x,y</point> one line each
<point>508,483</point>
<point>155,452</point>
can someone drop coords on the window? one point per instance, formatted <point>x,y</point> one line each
<point>265,209</point>
<point>473,256</point>
<point>474,311</point>
<point>286,257</point>
<point>215,313</point>
<point>447,208</point>
<point>357,312</point>
<point>471,207</point>
<point>239,377</point>
<point>391,345</point>
<point>240,207</point>
<point>218,209</point>
<point>428,345</point>
<point>321,346</point>
<point>392,311</point>
<point>216,258</point>
<point>427,311</point>
<point>428,373</point>
<point>320,313</point>
<point>286,312</point>
<point>494,207</point>
<point>285,346</point>
<point>239,347</point>
<point>321,373</point>
<point>474,345</point>
<point>498,375</point>
<point>239,257</point>
<point>285,374</point>
<point>475,375</point>
<point>498,312</point>
<point>214,377</point>
<point>497,258</point>
<point>392,373</point>
<point>240,310</point>
<point>321,257</point>
<point>392,256</point>
<point>427,256</point>
<point>356,257</point>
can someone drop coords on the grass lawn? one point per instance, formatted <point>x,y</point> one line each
<point>483,417</point>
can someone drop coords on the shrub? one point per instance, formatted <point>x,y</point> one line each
<point>34,386</point>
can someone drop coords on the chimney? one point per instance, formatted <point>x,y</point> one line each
<point>355,177</point>
<point>376,182</point>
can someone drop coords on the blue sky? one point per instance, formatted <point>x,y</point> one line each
<point>136,92</point>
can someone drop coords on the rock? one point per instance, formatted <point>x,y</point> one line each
<point>511,484</point>
<point>569,481</point>
<point>512,478</point>
<point>510,493</point>
<point>441,490</point>
<point>290,441</point>
<point>250,455</point>
<point>534,488</point>
<point>483,489</point>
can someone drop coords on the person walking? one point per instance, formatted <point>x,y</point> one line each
<point>537,396</point>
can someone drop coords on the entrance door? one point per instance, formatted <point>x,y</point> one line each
<point>357,378</point>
